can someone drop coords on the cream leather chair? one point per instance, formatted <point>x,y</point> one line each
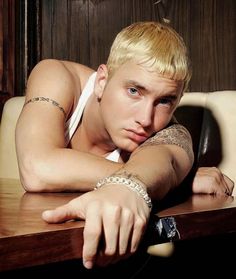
<point>211,120</point>
<point>8,161</point>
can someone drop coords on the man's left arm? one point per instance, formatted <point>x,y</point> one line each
<point>163,161</point>
<point>116,214</point>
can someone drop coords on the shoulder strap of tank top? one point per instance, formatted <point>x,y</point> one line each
<point>73,121</point>
<point>114,155</point>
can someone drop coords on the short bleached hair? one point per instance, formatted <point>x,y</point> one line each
<point>153,45</point>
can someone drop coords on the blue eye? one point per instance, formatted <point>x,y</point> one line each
<point>165,101</point>
<point>132,91</point>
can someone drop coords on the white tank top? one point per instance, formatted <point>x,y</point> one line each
<point>73,122</point>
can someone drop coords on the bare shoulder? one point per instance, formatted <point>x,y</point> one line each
<point>55,71</point>
<point>48,65</point>
<point>48,72</point>
<point>78,70</point>
<point>59,80</point>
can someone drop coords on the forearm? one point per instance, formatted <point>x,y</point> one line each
<point>63,169</point>
<point>161,168</point>
<point>163,161</point>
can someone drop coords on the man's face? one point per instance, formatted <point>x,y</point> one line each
<point>136,103</point>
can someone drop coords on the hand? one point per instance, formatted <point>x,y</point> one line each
<point>115,220</point>
<point>210,202</point>
<point>210,180</point>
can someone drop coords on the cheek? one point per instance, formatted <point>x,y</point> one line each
<point>112,106</point>
<point>161,120</point>
<point>115,104</point>
<point>111,109</point>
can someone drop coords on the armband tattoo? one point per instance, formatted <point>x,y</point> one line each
<point>44,99</point>
<point>175,134</point>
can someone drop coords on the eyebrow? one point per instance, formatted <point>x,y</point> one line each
<point>141,87</point>
<point>136,84</point>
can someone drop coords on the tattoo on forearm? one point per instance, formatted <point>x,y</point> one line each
<point>126,174</point>
<point>44,99</point>
<point>175,134</point>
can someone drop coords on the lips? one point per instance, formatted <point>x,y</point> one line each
<point>137,137</point>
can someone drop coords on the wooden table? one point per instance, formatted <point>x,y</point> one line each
<point>26,240</point>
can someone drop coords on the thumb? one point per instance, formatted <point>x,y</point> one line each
<point>61,214</point>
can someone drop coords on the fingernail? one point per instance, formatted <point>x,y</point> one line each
<point>46,215</point>
<point>88,264</point>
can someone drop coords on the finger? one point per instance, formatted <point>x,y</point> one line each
<point>229,183</point>
<point>121,224</point>
<point>221,184</point>
<point>92,234</point>
<point>61,214</point>
<point>138,231</point>
<point>108,253</point>
<point>223,187</point>
<point>127,222</point>
<point>111,225</point>
<point>103,260</point>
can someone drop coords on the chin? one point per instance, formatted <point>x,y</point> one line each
<point>129,147</point>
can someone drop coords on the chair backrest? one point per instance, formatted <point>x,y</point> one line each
<point>8,160</point>
<point>211,120</point>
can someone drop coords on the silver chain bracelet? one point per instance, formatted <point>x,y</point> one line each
<point>133,184</point>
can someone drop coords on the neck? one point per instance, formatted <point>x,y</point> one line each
<point>92,135</point>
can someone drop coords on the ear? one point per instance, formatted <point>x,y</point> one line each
<point>101,80</point>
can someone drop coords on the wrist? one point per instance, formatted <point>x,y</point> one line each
<point>132,183</point>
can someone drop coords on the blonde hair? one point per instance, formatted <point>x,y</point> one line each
<point>153,45</point>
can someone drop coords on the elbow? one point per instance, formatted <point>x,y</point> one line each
<point>32,178</point>
<point>31,183</point>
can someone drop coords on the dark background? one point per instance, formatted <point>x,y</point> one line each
<point>83,30</point>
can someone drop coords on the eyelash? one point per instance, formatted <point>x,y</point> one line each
<point>166,101</point>
<point>133,93</point>
<point>163,101</point>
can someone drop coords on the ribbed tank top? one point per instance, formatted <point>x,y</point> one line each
<point>73,122</point>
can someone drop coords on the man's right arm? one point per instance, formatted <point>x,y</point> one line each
<point>45,164</point>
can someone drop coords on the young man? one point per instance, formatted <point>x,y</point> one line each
<point>113,131</point>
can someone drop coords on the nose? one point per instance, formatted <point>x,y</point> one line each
<point>145,115</point>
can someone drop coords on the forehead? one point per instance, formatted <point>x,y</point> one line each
<point>134,74</point>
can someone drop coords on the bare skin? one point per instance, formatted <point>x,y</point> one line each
<point>206,178</point>
<point>114,213</point>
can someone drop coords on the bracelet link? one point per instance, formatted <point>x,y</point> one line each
<point>133,184</point>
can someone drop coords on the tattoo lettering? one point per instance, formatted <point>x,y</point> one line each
<point>44,99</point>
<point>126,174</point>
